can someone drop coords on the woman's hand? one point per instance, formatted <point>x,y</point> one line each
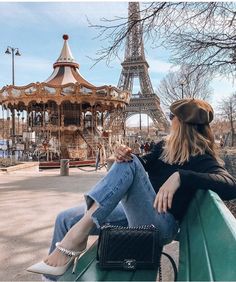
<point>164,197</point>
<point>123,154</point>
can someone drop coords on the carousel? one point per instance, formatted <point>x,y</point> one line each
<point>63,117</point>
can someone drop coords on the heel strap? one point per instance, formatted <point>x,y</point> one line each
<point>68,252</point>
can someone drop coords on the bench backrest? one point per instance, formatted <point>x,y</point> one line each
<point>207,241</point>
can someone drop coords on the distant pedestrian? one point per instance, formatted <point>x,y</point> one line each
<point>222,142</point>
<point>147,147</point>
<point>101,156</point>
<point>151,145</point>
<point>142,148</point>
<point>136,148</point>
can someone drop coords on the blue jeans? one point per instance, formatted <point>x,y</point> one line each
<point>124,195</point>
<point>66,219</point>
<point>128,183</point>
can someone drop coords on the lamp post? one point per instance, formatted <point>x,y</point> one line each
<point>13,52</point>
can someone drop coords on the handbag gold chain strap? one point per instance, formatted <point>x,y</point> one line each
<point>141,227</point>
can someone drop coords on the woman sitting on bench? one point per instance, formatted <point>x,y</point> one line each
<point>154,189</point>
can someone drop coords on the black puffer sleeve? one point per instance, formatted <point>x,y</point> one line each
<point>209,174</point>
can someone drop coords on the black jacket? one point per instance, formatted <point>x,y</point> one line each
<point>200,172</point>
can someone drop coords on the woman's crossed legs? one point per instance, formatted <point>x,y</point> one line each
<point>126,182</point>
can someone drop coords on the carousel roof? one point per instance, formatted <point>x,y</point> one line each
<point>65,83</point>
<point>66,69</point>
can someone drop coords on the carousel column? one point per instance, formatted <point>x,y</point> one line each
<point>81,120</point>
<point>59,130</point>
<point>22,133</point>
<point>8,131</point>
<point>33,117</point>
<point>22,122</point>
<point>43,117</point>
<point>83,113</point>
<point>124,125</point>
<point>77,109</point>
<point>27,141</point>
<point>18,123</point>
<point>2,132</point>
<point>13,131</point>
<point>95,120</point>
<point>64,163</point>
<point>93,110</point>
<point>27,119</point>
<point>102,119</point>
<point>30,117</point>
<point>3,123</point>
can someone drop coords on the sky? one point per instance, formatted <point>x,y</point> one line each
<point>36,28</point>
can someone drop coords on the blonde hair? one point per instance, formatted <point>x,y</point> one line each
<point>186,140</point>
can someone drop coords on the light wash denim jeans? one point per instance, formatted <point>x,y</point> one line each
<point>124,194</point>
<point>66,219</point>
<point>128,183</point>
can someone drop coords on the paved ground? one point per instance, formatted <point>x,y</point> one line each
<point>30,201</point>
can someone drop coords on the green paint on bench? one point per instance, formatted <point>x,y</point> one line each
<point>207,248</point>
<point>88,270</point>
<point>207,241</point>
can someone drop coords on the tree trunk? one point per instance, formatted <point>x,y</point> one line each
<point>232,132</point>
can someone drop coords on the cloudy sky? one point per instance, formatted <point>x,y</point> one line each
<point>36,28</point>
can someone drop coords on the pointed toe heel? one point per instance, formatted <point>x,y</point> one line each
<point>43,268</point>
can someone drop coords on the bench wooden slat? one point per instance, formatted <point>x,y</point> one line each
<point>184,271</point>
<point>189,243</point>
<point>219,227</point>
<point>207,241</point>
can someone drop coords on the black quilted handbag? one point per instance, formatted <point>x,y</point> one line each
<point>129,248</point>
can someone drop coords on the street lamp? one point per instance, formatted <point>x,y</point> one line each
<point>13,52</point>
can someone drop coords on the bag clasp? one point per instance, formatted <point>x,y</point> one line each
<point>129,264</point>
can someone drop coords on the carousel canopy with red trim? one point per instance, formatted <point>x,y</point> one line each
<point>65,83</point>
<point>66,69</point>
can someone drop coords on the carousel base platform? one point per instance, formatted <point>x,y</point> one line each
<point>72,163</point>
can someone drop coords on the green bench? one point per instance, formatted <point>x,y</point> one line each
<point>207,241</point>
<point>207,248</point>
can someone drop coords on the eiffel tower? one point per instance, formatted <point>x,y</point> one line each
<point>136,66</point>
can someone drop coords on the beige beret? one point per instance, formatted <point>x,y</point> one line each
<point>194,111</point>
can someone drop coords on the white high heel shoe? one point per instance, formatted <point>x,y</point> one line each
<point>43,268</point>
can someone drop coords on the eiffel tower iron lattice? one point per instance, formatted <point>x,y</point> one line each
<point>136,66</point>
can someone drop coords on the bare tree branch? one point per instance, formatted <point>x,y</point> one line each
<point>184,84</point>
<point>228,111</point>
<point>200,34</point>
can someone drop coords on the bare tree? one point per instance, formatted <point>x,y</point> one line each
<point>200,34</point>
<point>228,112</point>
<point>184,84</point>
<point>220,126</point>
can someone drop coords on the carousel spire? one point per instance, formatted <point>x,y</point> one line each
<point>66,56</point>
<point>66,69</point>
